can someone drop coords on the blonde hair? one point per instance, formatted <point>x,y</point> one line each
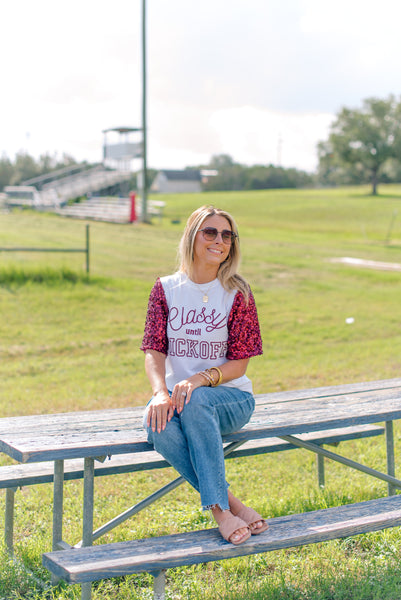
<point>227,273</point>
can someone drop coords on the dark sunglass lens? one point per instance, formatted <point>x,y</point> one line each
<point>210,233</point>
<point>227,236</point>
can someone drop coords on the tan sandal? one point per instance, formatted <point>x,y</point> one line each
<point>230,526</point>
<point>249,516</point>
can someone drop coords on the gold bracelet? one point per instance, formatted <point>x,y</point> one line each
<point>220,374</point>
<point>208,377</point>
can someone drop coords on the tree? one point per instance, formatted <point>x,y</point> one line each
<point>25,167</point>
<point>219,161</point>
<point>48,162</point>
<point>362,141</point>
<point>6,171</point>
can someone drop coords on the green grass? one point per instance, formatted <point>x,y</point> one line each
<point>72,343</point>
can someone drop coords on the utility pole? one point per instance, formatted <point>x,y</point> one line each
<point>279,149</point>
<point>144,124</point>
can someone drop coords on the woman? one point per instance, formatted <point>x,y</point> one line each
<point>201,330</point>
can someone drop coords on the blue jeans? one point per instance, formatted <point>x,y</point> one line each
<point>192,444</point>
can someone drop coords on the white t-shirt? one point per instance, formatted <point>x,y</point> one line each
<point>197,333</point>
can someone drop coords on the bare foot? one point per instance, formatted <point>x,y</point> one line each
<point>223,519</point>
<point>257,525</point>
<point>236,506</point>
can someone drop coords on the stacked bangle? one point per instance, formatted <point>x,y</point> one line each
<point>208,377</point>
<point>207,374</point>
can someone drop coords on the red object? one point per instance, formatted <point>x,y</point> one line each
<point>132,216</point>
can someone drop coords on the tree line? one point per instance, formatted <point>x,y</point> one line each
<point>230,174</point>
<point>363,146</point>
<point>25,167</point>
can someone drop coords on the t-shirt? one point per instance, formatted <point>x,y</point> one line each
<point>196,335</point>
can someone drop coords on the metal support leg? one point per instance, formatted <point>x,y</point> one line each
<point>390,455</point>
<point>89,476</point>
<point>159,585</point>
<point>9,535</point>
<point>341,459</point>
<point>9,521</point>
<point>134,509</point>
<point>58,490</point>
<point>320,470</point>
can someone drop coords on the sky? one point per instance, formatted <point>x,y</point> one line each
<point>260,80</point>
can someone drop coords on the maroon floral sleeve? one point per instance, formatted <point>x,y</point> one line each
<point>244,339</point>
<point>155,335</point>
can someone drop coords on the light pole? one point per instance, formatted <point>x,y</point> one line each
<point>144,125</point>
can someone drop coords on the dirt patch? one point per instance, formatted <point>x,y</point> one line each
<point>368,264</point>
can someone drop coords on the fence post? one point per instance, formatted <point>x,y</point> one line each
<point>87,249</point>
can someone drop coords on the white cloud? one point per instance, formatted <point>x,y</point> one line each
<point>223,77</point>
<point>361,20</point>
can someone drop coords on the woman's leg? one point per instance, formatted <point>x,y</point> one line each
<point>172,445</point>
<point>192,444</point>
<point>211,413</point>
<point>191,441</point>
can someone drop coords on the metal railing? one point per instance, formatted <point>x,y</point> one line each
<point>84,250</point>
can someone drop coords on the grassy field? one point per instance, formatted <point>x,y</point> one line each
<point>69,343</point>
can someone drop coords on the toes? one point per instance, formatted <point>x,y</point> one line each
<point>239,534</point>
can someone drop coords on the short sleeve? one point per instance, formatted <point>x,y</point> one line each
<point>155,335</point>
<point>244,338</point>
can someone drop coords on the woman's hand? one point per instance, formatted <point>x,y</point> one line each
<point>160,411</point>
<point>182,391</point>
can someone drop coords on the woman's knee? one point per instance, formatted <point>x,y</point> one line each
<point>199,407</point>
<point>201,397</point>
<point>160,439</point>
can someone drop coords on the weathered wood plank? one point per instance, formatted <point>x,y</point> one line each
<point>47,447</point>
<point>314,415</point>
<point>330,437</point>
<point>111,418</point>
<point>37,473</point>
<point>330,403</point>
<point>335,390</point>
<point>153,554</point>
<point>120,431</point>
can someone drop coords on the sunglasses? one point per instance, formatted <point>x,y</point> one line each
<point>211,233</point>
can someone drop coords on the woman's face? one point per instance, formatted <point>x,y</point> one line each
<point>212,252</point>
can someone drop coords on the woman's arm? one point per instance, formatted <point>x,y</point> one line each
<point>155,367</point>
<point>232,369</point>
<point>160,409</point>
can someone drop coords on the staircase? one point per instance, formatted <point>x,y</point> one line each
<point>83,183</point>
<point>58,187</point>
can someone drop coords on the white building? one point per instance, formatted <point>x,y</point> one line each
<point>175,182</point>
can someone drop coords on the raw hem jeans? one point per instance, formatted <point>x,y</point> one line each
<point>192,444</point>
